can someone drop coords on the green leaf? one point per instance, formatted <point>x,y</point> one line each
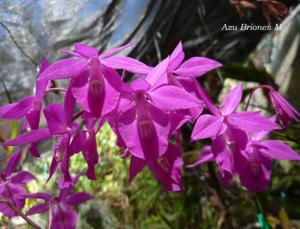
<point>246,73</point>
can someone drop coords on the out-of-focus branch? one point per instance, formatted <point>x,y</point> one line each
<point>17,45</point>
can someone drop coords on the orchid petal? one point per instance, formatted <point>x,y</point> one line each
<point>140,85</point>
<point>33,116</point>
<point>38,195</point>
<point>237,137</point>
<point>34,150</point>
<point>167,169</point>
<point>69,106</point>
<point>176,57</point>
<point>78,198</point>
<point>278,150</point>
<point>157,76</point>
<point>13,162</point>
<point>85,50</point>
<point>63,69</point>
<point>258,136</point>
<point>252,121</point>
<point>178,119</point>
<point>113,84</point>
<point>114,51</point>
<point>38,209</point>
<point>126,63</point>
<point>53,167</point>
<point>17,110</point>
<point>207,126</point>
<point>171,98</point>
<point>78,142</point>
<point>232,100</point>
<point>62,216</point>
<point>79,87</point>
<point>206,99</point>
<point>22,177</point>
<point>224,159</point>
<point>136,166</point>
<point>254,170</point>
<point>90,154</point>
<point>6,108</point>
<point>29,137</point>
<point>197,66</point>
<point>56,118</point>
<point>151,144</point>
<point>41,86</point>
<point>285,110</point>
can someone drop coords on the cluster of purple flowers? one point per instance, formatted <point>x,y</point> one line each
<point>146,115</point>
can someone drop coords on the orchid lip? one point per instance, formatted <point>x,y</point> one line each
<point>95,86</point>
<point>145,128</point>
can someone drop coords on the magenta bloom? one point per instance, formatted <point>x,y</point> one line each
<point>94,84</point>
<point>143,121</point>
<point>59,125</point>
<point>285,111</point>
<point>178,70</point>
<point>183,75</point>
<point>29,107</point>
<point>85,141</point>
<point>229,132</point>
<point>211,126</point>
<point>12,185</point>
<point>254,164</point>
<point>146,115</point>
<point>166,169</point>
<point>62,213</point>
<point>238,146</point>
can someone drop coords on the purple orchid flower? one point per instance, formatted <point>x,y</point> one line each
<point>228,130</point>
<point>166,169</point>
<point>94,84</point>
<point>109,59</point>
<point>184,75</point>
<point>12,185</point>
<point>286,112</point>
<point>143,121</point>
<point>62,215</point>
<point>83,55</point>
<point>211,126</point>
<point>29,107</point>
<point>60,125</point>
<point>254,164</point>
<point>85,141</point>
<point>191,68</point>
